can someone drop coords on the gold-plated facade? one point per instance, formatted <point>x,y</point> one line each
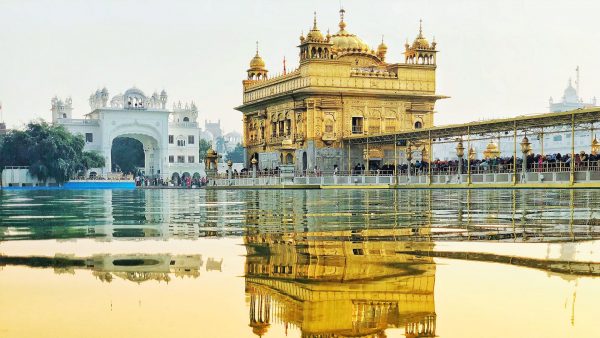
<point>341,88</point>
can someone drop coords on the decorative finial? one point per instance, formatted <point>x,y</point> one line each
<point>342,23</point>
<point>256,48</point>
<point>420,27</point>
<point>382,38</point>
<point>315,21</point>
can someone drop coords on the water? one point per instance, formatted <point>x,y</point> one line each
<point>318,263</point>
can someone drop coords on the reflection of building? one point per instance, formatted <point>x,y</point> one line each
<point>143,267</point>
<point>132,267</point>
<point>169,138</point>
<point>357,287</point>
<point>342,88</point>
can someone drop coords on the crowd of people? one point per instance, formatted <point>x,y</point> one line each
<point>184,182</point>
<point>534,163</point>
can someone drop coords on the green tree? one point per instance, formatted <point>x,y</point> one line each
<point>90,159</point>
<point>237,154</point>
<point>49,150</point>
<point>127,154</point>
<point>204,145</point>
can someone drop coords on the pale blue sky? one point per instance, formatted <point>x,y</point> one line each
<point>497,58</point>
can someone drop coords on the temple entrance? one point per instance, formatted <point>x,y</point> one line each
<point>127,156</point>
<point>136,154</point>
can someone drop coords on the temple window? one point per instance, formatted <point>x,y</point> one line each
<point>357,125</point>
<point>418,125</point>
<point>171,159</point>
<point>186,119</point>
<point>180,159</point>
<point>89,137</point>
<point>191,139</point>
<point>281,128</point>
<point>171,139</point>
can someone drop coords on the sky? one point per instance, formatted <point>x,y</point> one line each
<point>497,58</point>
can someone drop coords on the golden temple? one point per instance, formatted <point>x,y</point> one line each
<point>341,88</point>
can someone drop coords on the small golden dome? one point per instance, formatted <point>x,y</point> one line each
<point>345,41</point>
<point>420,42</point>
<point>491,151</point>
<point>211,152</point>
<point>595,146</point>
<point>315,34</point>
<point>382,46</point>
<point>257,62</point>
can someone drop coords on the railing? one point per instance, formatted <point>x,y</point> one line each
<point>357,130</point>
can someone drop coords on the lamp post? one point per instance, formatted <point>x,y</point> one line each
<point>254,163</point>
<point>460,152</point>
<point>525,149</point>
<point>409,158</point>
<point>229,166</point>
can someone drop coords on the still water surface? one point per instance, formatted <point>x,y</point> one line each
<point>320,263</point>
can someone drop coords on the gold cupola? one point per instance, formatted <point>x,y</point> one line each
<point>491,151</point>
<point>257,70</point>
<point>420,52</point>
<point>382,50</point>
<point>345,42</point>
<point>315,46</point>
<point>315,34</point>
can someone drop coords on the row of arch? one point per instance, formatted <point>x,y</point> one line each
<point>315,53</point>
<point>421,59</point>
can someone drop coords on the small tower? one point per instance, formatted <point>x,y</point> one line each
<point>61,109</point>
<point>421,52</point>
<point>257,70</point>
<point>382,50</point>
<point>315,46</point>
<point>104,97</point>
<point>163,99</point>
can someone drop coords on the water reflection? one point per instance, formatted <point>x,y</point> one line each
<point>357,263</point>
<point>136,268</point>
<point>453,215</point>
<point>355,288</point>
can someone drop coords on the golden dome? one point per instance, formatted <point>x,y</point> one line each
<point>382,46</point>
<point>491,151</point>
<point>257,62</point>
<point>345,41</point>
<point>315,34</point>
<point>595,146</point>
<point>211,152</point>
<point>420,42</point>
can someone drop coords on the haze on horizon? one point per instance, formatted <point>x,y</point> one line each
<point>497,59</point>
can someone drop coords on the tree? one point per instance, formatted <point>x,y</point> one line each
<point>127,154</point>
<point>237,154</point>
<point>204,145</point>
<point>50,151</point>
<point>90,159</point>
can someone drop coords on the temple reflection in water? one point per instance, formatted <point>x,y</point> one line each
<point>358,287</point>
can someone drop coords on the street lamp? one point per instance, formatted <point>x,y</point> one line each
<point>525,149</point>
<point>460,152</point>
<point>409,157</point>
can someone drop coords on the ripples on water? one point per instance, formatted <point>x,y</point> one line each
<point>316,263</point>
<point>520,215</point>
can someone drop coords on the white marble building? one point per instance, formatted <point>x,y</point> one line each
<point>169,138</point>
